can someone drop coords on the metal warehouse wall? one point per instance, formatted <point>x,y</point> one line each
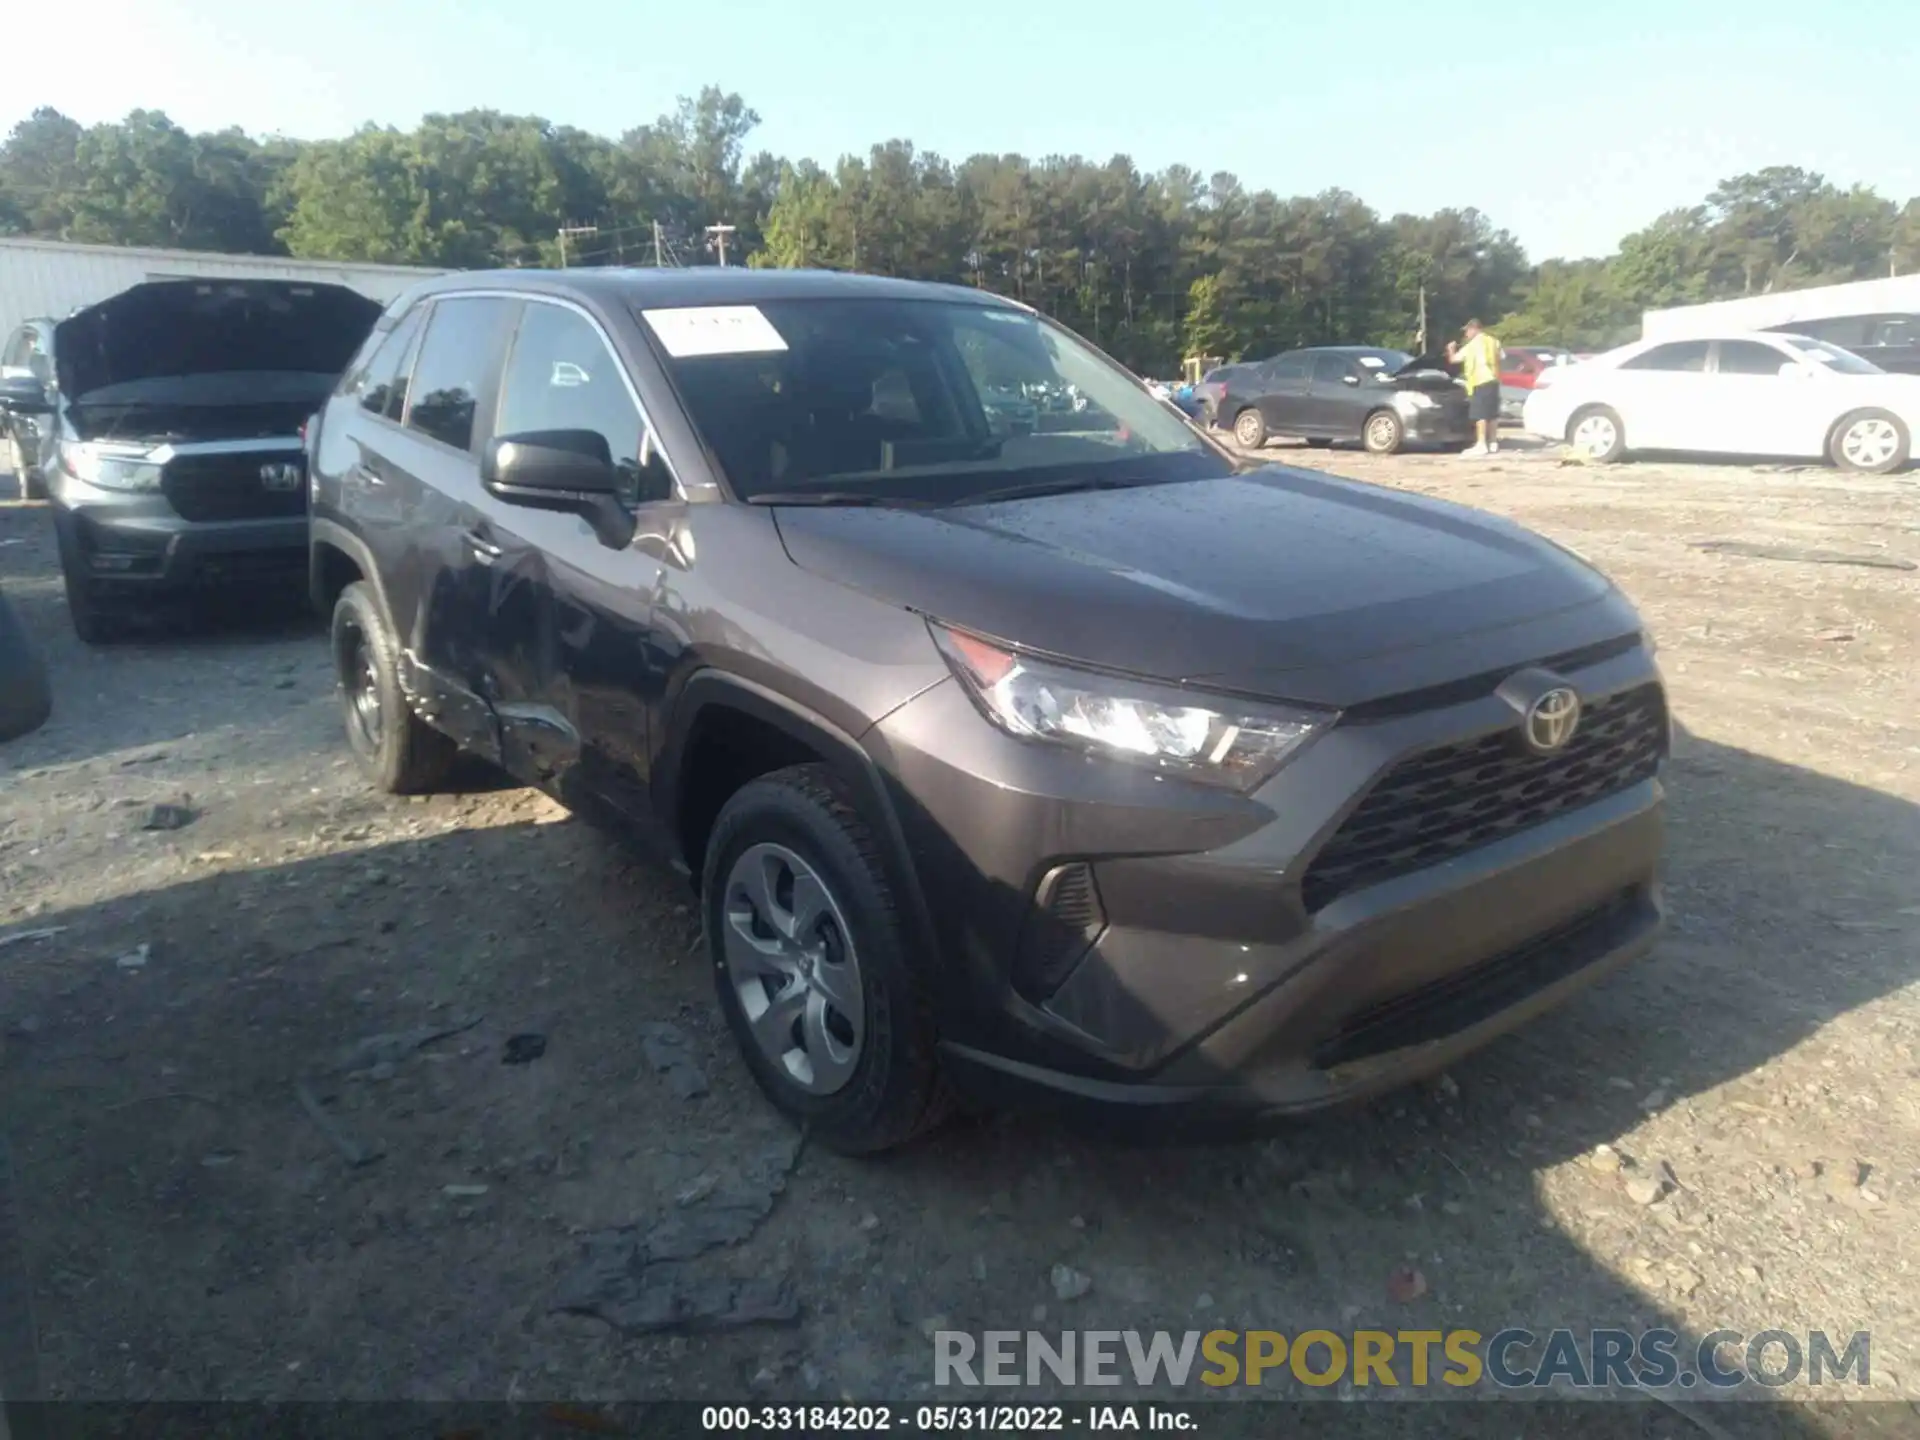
<point>50,277</point>
<point>1896,295</point>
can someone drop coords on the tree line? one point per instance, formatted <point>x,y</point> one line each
<point>1153,266</point>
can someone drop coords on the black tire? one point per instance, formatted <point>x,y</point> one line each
<point>26,700</point>
<point>1611,433</point>
<point>1853,430</point>
<point>1382,433</point>
<point>894,1091</point>
<point>1250,428</point>
<point>32,486</point>
<point>95,621</point>
<point>400,753</point>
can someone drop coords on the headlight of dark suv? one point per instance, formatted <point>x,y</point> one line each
<point>1219,740</point>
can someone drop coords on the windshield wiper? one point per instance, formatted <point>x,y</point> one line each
<point>1037,488</point>
<point>834,497</point>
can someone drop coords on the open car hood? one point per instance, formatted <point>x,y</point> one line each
<point>172,328</point>
<point>1434,361</point>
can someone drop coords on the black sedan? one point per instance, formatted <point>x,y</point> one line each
<point>1385,399</point>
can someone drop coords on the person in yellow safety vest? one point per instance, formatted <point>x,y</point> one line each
<point>1479,362</point>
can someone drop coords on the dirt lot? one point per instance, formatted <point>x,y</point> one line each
<point>191,1232</point>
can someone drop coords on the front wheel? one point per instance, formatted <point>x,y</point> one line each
<point>95,621</point>
<point>398,751</point>
<point>812,968</point>
<point>1598,433</point>
<point>1871,442</point>
<point>1383,434</point>
<point>1250,429</point>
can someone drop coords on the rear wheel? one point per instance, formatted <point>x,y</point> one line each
<point>1871,442</point>
<point>1250,429</point>
<point>1598,433</point>
<point>813,972</point>
<point>32,486</point>
<point>400,752</point>
<point>1383,434</point>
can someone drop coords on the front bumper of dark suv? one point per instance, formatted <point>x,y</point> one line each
<point>1409,886</point>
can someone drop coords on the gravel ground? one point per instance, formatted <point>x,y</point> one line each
<point>1724,1136</point>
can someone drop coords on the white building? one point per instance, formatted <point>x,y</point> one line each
<point>1897,295</point>
<point>53,278</point>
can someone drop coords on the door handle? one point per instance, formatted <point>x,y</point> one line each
<point>364,474</point>
<point>484,550</point>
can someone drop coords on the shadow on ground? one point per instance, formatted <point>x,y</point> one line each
<point>190,1233</point>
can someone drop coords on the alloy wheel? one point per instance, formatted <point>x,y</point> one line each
<point>360,680</point>
<point>1870,442</point>
<point>1595,434</point>
<point>791,959</point>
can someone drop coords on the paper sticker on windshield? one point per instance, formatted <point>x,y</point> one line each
<point>714,330</point>
<point>1372,362</point>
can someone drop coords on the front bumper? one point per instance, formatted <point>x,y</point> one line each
<point>1445,425</point>
<point>140,545</point>
<point>1210,995</point>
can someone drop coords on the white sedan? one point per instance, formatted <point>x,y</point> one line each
<point>1734,394</point>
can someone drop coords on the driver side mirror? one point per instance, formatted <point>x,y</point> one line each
<point>571,471</point>
<point>24,395</point>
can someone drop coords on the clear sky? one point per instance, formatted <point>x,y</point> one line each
<point>1569,124</point>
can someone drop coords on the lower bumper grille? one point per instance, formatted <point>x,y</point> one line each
<point>1457,1002</point>
<point>1456,798</point>
<point>236,486</point>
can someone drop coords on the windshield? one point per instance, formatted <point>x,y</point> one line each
<point>920,399</point>
<point>1841,362</point>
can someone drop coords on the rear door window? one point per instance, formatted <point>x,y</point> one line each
<point>1291,367</point>
<point>459,358</point>
<point>1330,369</point>
<point>383,385</point>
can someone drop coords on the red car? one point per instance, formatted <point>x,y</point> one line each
<point>1520,367</point>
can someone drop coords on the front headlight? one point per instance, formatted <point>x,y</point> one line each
<point>1214,739</point>
<point>110,469</point>
<point>1408,400</point>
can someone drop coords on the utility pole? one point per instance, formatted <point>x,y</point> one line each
<point>656,244</point>
<point>569,232</point>
<point>719,234</point>
<point>1420,340</point>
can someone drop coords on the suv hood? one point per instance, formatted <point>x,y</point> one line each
<point>1278,582</point>
<point>177,328</point>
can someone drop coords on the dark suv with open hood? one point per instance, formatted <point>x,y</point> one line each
<point>174,459</point>
<point>1082,761</point>
<point>1384,399</point>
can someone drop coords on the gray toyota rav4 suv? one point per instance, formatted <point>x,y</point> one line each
<point>1083,764</point>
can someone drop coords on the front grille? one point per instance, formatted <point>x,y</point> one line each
<point>1446,801</point>
<point>228,486</point>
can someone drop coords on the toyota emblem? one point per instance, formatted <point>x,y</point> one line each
<point>280,475</point>
<point>1551,719</point>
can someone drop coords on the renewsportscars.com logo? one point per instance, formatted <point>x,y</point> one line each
<point>1510,1359</point>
